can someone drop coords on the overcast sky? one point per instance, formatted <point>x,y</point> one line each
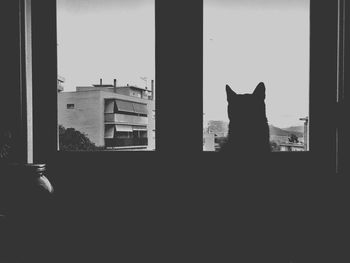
<point>105,39</point>
<point>259,4</point>
<point>249,41</point>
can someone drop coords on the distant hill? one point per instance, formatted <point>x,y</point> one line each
<point>295,129</point>
<point>222,127</point>
<point>283,132</point>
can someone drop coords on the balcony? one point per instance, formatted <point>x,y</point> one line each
<point>116,118</point>
<point>123,142</point>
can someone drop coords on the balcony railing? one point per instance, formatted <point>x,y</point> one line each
<point>118,142</point>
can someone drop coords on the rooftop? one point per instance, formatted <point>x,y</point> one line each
<point>112,86</point>
<point>299,145</point>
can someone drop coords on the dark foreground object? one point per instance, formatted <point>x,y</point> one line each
<point>26,207</point>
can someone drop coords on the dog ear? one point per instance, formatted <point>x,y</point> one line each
<point>260,91</point>
<point>230,93</point>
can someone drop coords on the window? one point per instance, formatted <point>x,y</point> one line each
<point>247,42</point>
<point>106,63</point>
<point>188,81</point>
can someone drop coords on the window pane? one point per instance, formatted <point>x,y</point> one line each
<point>247,42</point>
<point>106,68</point>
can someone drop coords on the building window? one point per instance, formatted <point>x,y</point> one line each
<point>70,106</point>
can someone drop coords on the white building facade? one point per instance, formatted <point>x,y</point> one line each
<point>112,117</point>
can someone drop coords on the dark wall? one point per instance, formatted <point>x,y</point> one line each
<point>10,93</point>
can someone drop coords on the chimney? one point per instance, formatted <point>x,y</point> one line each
<point>115,85</point>
<point>100,82</point>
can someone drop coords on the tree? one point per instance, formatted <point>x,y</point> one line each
<point>73,140</point>
<point>274,146</point>
<point>221,141</point>
<point>293,138</point>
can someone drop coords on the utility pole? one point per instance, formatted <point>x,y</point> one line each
<point>306,122</point>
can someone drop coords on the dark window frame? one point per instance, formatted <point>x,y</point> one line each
<point>188,67</point>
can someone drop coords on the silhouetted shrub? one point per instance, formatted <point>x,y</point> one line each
<point>274,146</point>
<point>73,140</point>
<point>5,145</point>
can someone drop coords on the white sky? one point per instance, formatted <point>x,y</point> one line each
<point>246,42</point>
<point>105,39</point>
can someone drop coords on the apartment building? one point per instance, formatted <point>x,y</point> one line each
<point>116,117</point>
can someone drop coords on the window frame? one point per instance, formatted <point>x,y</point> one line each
<point>188,67</point>
<point>322,102</point>
<point>342,167</point>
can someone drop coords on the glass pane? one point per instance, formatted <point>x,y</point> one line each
<point>247,42</point>
<point>106,68</point>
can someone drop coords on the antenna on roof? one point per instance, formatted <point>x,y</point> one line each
<point>144,79</point>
